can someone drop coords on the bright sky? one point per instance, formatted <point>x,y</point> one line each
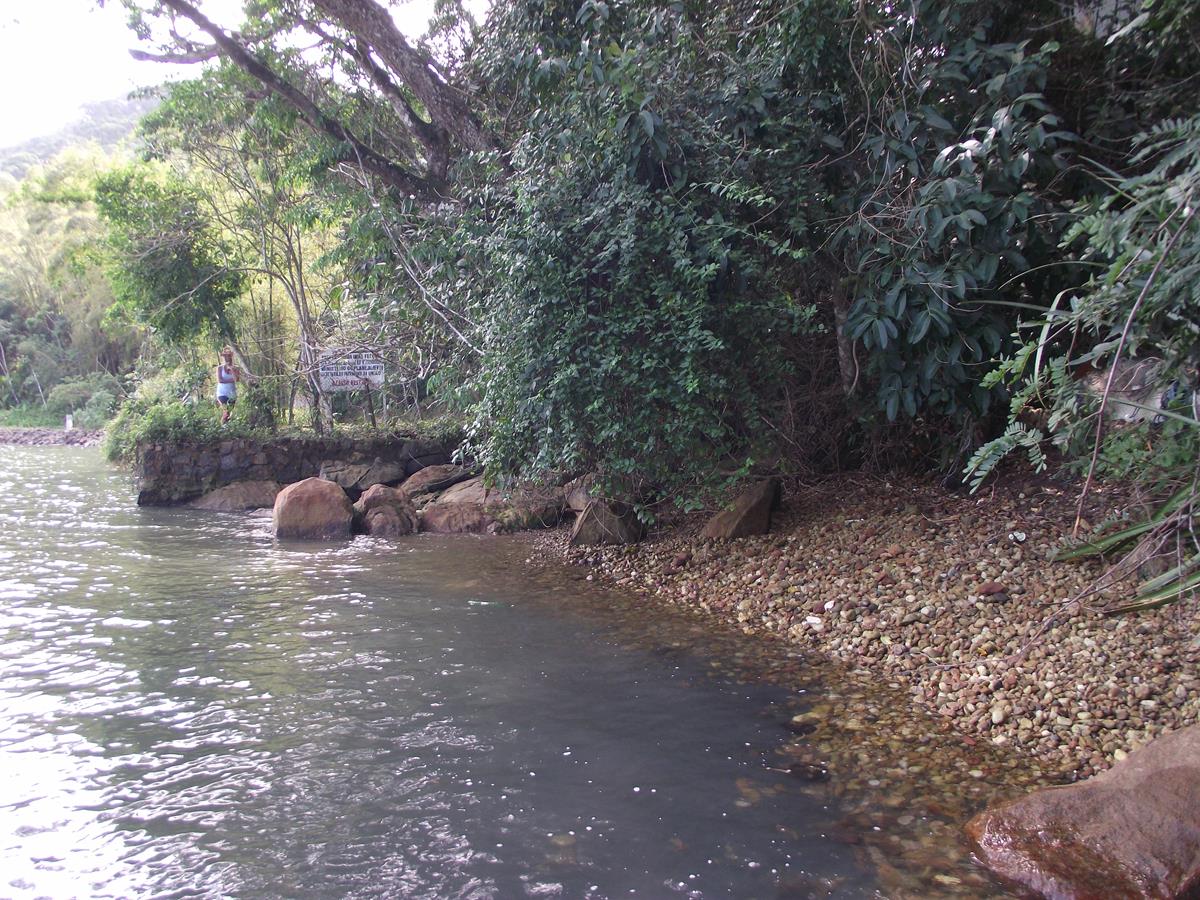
<point>58,54</point>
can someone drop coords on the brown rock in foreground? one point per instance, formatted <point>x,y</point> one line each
<point>240,495</point>
<point>390,521</point>
<point>472,507</point>
<point>605,523</point>
<point>1133,831</point>
<point>385,512</point>
<point>748,514</point>
<point>456,518</point>
<point>312,509</point>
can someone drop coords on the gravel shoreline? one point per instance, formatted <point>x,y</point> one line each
<point>50,437</point>
<point>949,596</point>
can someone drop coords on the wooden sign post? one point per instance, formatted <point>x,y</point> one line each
<point>350,370</point>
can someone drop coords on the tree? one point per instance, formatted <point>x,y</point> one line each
<point>170,268</point>
<point>53,295</point>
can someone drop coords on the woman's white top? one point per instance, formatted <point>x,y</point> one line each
<point>226,381</point>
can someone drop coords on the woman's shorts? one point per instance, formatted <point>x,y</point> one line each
<point>225,401</point>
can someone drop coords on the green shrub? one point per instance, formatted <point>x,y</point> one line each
<point>169,406</point>
<point>96,412</point>
<point>73,395</point>
<point>29,417</point>
<point>255,407</point>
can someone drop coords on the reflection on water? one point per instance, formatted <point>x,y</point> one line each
<point>189,710</point>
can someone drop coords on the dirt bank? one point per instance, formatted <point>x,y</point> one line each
<point>47,437</point>
<point>950,596</point>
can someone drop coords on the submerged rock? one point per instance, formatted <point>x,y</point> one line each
<point>606,523</point>
<point>1133,831</point>
<point>240,495</point>
<point>312,509</point>
<point>748,514</point>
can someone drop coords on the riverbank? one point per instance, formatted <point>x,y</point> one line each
<point>950,597</point>
<point>50,437</point>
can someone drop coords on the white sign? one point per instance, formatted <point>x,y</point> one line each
<point>350,371</point>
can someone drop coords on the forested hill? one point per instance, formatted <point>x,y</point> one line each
<point>107,122</point>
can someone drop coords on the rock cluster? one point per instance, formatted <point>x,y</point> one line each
<point>951,596</point>
<point>438,501</point>
<point>172,473</point>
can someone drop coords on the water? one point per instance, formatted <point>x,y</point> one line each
<point>188,709</point>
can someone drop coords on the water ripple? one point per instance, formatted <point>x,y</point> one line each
<point>188,710</point>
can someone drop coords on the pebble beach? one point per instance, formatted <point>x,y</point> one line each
<point>50,437</point>
<point>951,598</point>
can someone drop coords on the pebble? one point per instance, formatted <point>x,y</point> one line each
<point>935,597</point>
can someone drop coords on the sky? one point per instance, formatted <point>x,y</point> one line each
<point>56,55</point>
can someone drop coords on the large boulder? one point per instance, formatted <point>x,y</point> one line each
<point>385,511</point>
<point>431,479</point>
<point>390,521</point>
<point>472,506</point>
<point>606,523</point>
<point>312,509</point>
<point>381,472</point>
<point>356,477</point>
<point>456,518</point>
<point>578,493</point>
<point>529,509</point>
<point>342,473</point>
<point>748,514</point>
<point>241,495</point>
<point>472,490</point>
<point>1133,831</point>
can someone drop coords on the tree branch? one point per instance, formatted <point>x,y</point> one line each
<point>371,160</point>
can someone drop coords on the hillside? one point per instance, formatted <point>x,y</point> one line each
<point>107,122</point>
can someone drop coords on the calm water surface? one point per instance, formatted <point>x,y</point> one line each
<point>189,709</point>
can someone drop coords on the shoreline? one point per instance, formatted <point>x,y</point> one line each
<point>946,596</point>
<point>50,437</point>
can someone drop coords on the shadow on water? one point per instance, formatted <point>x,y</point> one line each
<point>192,710</point>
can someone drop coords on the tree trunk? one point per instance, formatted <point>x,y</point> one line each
<point>847,362</point>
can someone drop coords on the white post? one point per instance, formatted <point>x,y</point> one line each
<point>69,422</point>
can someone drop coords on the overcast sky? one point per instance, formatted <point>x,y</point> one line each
<point>58,54</point>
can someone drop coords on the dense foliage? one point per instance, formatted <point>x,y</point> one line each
<point>58,352</point>
<point>668,242</point>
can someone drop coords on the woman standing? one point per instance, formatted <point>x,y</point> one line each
<point>228,375</point>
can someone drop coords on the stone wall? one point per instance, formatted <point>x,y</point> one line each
<point>172,473</point>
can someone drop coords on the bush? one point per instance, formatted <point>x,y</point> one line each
<point>74,394</point>
<point>96,412</point>
<point>255,407</point>
<point>166,407</point>
<point>29,417</point>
